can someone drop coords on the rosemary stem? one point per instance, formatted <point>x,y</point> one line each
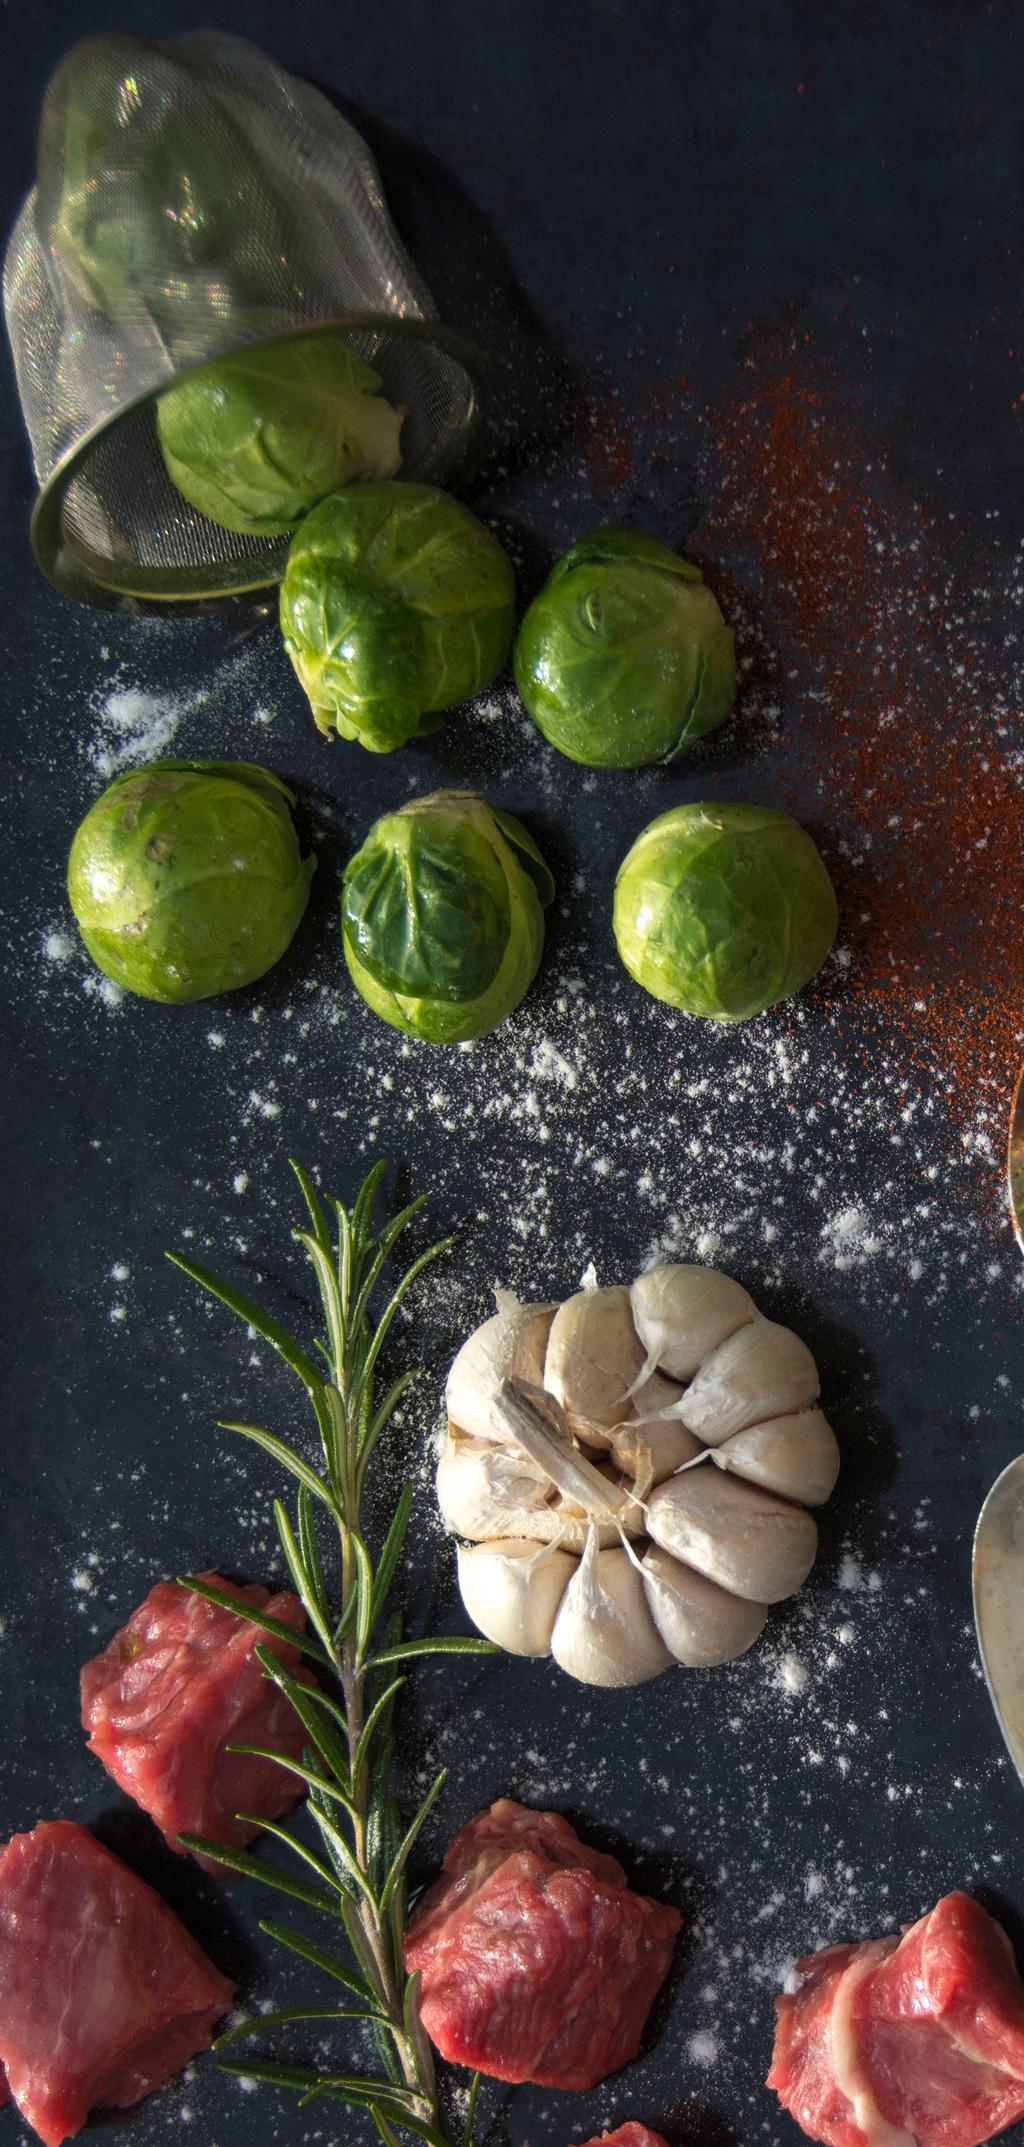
<point>352,1679</point>
<point>363,1848</point>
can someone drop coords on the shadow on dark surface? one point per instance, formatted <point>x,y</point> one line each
<point>1006,1914</point>
<point>537,404</point>
<point>531,557</point>
<point>699,2126</point>
<point>128,1833</point>
<point>849,1373</point>
<point>868,1450</point>
<point>753,728</point>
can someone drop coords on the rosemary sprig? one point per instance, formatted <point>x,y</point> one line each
<point>353,1644</point>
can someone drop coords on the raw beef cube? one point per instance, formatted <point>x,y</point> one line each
<point>177,1685</point>
<point>903,2040</point>
<point>631,2135</point>
<point>538,1962</point>
<point>103,1994</point>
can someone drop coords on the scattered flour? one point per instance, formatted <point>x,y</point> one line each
<point>792,1674</point>
<point>133,726</point>
<point>548,1064</point>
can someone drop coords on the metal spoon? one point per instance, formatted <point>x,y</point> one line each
<point>1015,1161</point>
<point>997,1577</point>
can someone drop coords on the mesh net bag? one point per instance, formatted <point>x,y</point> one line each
<point>193,200</point>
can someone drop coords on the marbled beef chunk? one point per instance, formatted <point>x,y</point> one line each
<point>538,1961</point>
<point>103,1994</point>
<point>179,1684</point>
<point>903,2040</point>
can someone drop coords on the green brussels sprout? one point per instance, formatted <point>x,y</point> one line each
<point>186,878</point>
<point>442,915</point>
<point>254,441</point>
<point>149,196</point>
<point>723,909</point>
<point>396,603</point>
<point>624,657</point>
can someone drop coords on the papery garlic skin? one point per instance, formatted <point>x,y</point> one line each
<point>511,1345</point>
<point>762,1371</point>
<point>684,1312</point>
<point>795,1456</point>
<point>594,1356</point>
<point>483,1490</point>
<point>604,1633</point>
<point>486,1492</point>
<point>703,1625</point>
<point>512,1592</point>
<point>750,1542</point>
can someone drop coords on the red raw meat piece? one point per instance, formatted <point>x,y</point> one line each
<point>176,1686</point>
<point>538,1962</point>
<point>903,2040</point>
<point>103,1994</point>
<point>631,2135</point>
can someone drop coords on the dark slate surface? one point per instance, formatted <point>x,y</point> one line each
<point>608,195</point>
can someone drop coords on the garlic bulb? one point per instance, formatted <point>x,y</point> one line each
<point>633,1469</point>
<point>512,1592</point>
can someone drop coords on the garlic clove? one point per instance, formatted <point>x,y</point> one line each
<point>750,1542</point>
<point>486,1490</point>
<point>604,1633</point>
<point>701,1623</point>
<point>796,1456</point>
<point>510,1345</point>
<point>594,1357</point>
<point>655,1397</point>
<point>683,1312</point>
<point>762,1371</point>
<point>512,1592</point>
<point>650,1451</point>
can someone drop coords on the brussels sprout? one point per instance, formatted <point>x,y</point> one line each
<point>442,915</point>
<point>254,441</point>
<point>396,603</point>
<point>186,879</point>
<point>723,909</point>
<point>624,657</point>
<point>149,196</point>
